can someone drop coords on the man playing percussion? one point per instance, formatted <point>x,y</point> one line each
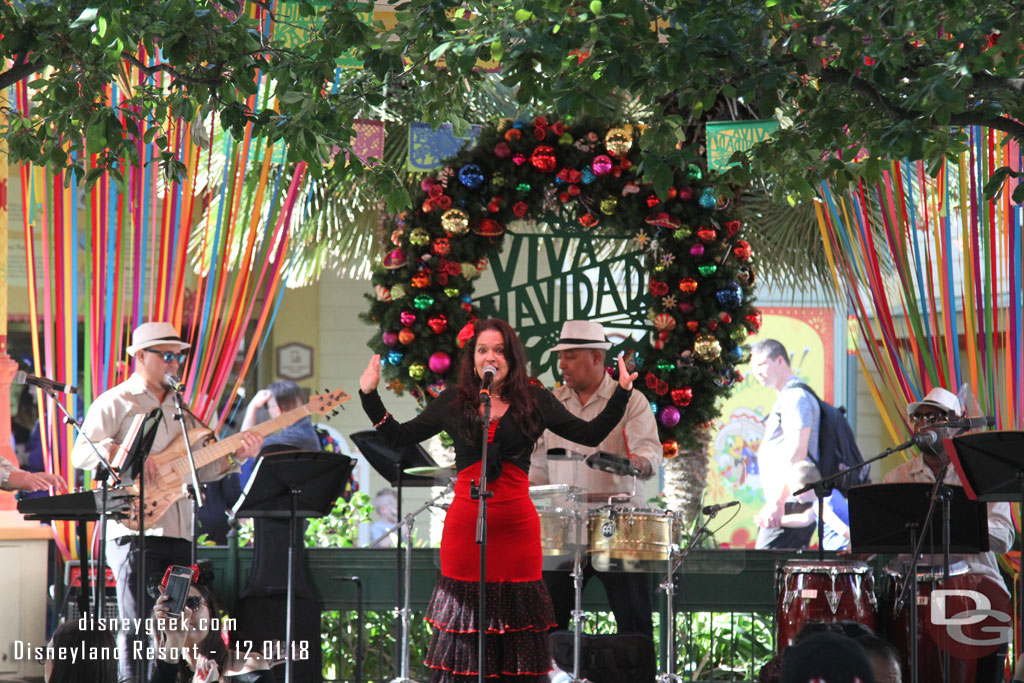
<point>585,390</point>
<point>932,415</point>
<point>790,436</point>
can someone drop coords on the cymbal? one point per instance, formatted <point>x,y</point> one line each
<point>439,472</point>
<point>564,454</point>
<point>545,490</point>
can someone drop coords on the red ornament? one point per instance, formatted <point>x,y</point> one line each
<point>617,172</point>
<point>558,128</point>
<point>453,268</point>
<point>682,397</point>
<point>519,159</point>
<point>543,158</point>
<point>742,250</point>
<point>421,279</point>
<point>494,207</point>
<point>513,135</point>
<point>438,323</point>
<point>563,197</point>
<point>692,325</point>
<point>589,220</point>
<point>626,164</point>
<point>444,202</point>
<point>712,325</point>
<point>669,449</point>
<point>435,191</point>
<point>441,278</point>
<point>662,388</point>
<point>725,317</point>
<point>520,209</point>
<point>686,307</point>
<point>539,134</point>
<point>540,122</point>
<point>441,246</point>
<point>706,234</point>
<point>489,228</point>
<point>574,190</point>
<point>653,201</point>
<point>502,150</point>
<point>688,285</point>
<point>427,206</point>
<point>575,176</point>
<point>407,318</point>
<point>731,228</point>
<point>685,194</point>
<point>754,320</point>
<point>406,336</point>
<point>466,333</point>
<point>651,381</point>
<point>672,193</point>
<point>658,288</point>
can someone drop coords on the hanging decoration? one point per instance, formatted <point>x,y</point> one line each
<point>585,173</point>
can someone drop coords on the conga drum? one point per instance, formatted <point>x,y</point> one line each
<point>826,590</point>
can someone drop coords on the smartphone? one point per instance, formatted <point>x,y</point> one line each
<point>176,590</point>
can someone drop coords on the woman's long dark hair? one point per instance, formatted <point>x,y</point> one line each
<point>101,668</point>
<point>515,389</point>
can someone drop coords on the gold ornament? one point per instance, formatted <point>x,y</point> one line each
<point>419,237</point>
<point>397,292</point>
<point>416,371</point>
<point>608,205</point>
<point>618,141</point>
<point>707,348</point>
<point>455,222</point>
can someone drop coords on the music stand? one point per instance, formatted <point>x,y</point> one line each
<point>289,485</point>
<point>880,515</point>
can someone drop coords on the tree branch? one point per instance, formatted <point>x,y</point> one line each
<point>166,68</point>
<point>991,82</point>
<point>22,68</point>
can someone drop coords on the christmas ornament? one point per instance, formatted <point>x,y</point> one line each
<point>382,292</point>
<point>455,222</point>
<point>652,200</point>
<point>499,180</point>
<point>589,220</point>
<point>439,362</point>
<point>451,292</point>
<point>502,150</point>
<point>488,227</point>
<point>697,250</point>
<point>608,205</point>
<point>423,302</point>
<point>407,318</point>
<point>706,235</point>
<point>438,324</point>
<point>682,397</point>
<point>389,337</point>
<point>520,209</point>
<point>725,378</point>
<point>707,348</point>
<point>694,173</point>
<point>419,237</point>
<point>692,325</point>
<point>602,164</point>
<point>435,388</point>
<point>394,259</point>
<point>666,366</point>
<point>519,159</point>
<point>513,135</point>
<point>688,285</point>
<point>664,322</point>
<point>417,371</point>
<point>523,187</point>
<point>632,360</point>
<point>669,449</point>
<point>707,269</point>
<point>730,296</point>
<point>685,194</point>
<point>441,246</point>
<point>754,320</point>
<point>543,158</point>
<point>618,141</point>
<point>587,176</point>
<point>421,279</point>
<point>682,233</point>
<point>397,291</point>
<point>724,317</point>
<point>661,389</point>
<point>742,250</point>
<point>731,228</point>
<point>669,416</point>
<point>707,199</point>
<point>395,357</point>
<point>686,307</point>
<point>658,288</point>
<point>406,336</point>
<point>663,220</point>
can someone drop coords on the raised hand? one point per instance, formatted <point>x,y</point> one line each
<point>625,376</point>
<point>371,375</point>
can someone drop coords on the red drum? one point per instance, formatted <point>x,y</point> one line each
<point>829,590</point>
<point>972,638</point>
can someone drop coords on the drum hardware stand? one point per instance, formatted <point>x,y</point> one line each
<point>940,493</point>
<point>668,586</point>
<point>405,612</point>
<point>577,584</point>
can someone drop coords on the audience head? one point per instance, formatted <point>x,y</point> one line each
<point>63,669</point>
<point>827,657</point>
<point>884,658</point>
<point>287,395</point>
<point>769,362</point>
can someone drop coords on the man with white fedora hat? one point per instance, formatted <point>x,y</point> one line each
<point>585,389</point>
<point>159,354</point>
<point>933,414</point>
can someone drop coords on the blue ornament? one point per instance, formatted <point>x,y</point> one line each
<point>726,378</point>
<point>559,181</point>
<point>471,176</point>
<point>519,124</point>
<point>588,176</point>
<point>462,202</point>
<point>735,354</point>
<point>395,357</point>
<point>707,199</point>
<point>730,296</point>
<point>467,299</point>
<point>654,407</point>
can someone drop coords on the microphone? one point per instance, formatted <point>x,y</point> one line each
<point>972,422</point>
<point>709,510</point>
<point>22,377</point>
<point>485,382</point>
<point>173,383</point>
<point>925,438</point>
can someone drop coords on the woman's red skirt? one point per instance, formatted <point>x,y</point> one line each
<point>519,611</point>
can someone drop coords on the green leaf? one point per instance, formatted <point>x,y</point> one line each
<point>86,18</point>
<point>439,51</point>
<point>596,6</point>
<point>523,15</point>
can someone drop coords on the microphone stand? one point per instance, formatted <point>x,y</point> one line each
<point>194,490</point>
<point>668,586</point>
<point>104,472</point>
<point>482,494</point>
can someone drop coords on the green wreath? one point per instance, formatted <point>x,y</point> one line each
<point>700,270</point>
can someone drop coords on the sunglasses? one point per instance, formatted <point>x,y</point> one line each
<point>170,356</point>
<point>194,602</point>
<point>928,418</point>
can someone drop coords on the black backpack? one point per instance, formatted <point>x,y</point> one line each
<point>837,446</point>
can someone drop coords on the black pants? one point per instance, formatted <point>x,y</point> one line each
<point>123,557</point>
<point>629,596</point>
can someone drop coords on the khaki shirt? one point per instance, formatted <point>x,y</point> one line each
<point>638,427</point>
<point>107,423</point>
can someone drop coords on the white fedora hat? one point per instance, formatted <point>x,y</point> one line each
<point>582,334</point>
<point>938,398</point>
<point>155,334</point>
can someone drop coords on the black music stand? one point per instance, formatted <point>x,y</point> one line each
<point>391,462</point>
<point>290,485</point>
<point>881,513</point>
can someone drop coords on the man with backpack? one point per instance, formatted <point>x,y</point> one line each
<point>790,437</point>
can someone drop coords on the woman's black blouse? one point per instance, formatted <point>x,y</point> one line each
<point>510,443</point>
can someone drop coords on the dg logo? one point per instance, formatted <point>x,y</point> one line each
<point>970,616</point>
